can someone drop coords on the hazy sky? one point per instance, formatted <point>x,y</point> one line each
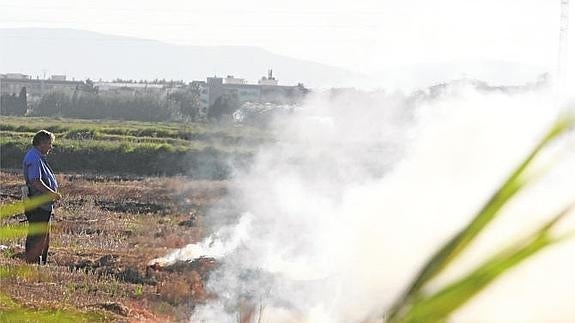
<point>360,35</point>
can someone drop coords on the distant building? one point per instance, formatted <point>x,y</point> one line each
<point>270,80</point>
<point>130,89</point>
<point>244,92</point>
<point>110,86</point>
<point>58,78</point>
<point>266,91</point>
<point>12,83</point>
<point>15,76</point>
<point>215,89</point>
<point>230,79</point>
<point>236,89</point>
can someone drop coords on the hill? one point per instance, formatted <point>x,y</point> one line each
<point>85,54</point>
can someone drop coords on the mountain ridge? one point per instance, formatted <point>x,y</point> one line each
<point>86,54</point>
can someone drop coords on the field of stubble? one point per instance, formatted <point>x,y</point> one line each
<point>105,231</point>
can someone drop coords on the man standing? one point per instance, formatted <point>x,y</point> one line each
<point>40,180</point>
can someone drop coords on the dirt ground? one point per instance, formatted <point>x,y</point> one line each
<point>104,232</point>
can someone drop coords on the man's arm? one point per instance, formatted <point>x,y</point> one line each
<point>41,187</point>
<point>33,172</point>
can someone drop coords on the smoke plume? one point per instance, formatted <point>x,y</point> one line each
<point>360,188</point>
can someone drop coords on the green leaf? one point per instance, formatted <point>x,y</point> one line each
<point>20,231</point>
<point>456,245</point>
<point>20,206</point>
<point>443,303</point>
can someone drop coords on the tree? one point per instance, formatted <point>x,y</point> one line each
<point>54,104</point>
<point>225,105</point>
<point>186,101</point>
<point>13,105</point>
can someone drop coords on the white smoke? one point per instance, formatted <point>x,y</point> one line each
<point>218,245</point>
<point>360,189</point>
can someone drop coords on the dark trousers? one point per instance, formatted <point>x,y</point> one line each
<point>38,239</point>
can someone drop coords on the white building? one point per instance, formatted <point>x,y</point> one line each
<point>230,79</point>
<point>58,78</point>
<point>16,76</point>
<point>270,80</point>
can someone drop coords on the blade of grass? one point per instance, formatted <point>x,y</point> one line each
<point>461,240</point>
<point>20,231</point>
<point>20,206</point>
<point>442,304</point>
<point>9,271</point>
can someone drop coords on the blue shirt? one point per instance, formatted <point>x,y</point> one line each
<point>36,167</point>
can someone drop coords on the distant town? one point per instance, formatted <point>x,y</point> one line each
<point>215,96</point>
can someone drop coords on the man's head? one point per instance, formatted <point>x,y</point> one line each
<point>43,141</point>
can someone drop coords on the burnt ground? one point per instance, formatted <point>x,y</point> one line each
<point>104,233</point>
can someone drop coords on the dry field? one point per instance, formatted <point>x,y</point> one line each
<point>105,231</point>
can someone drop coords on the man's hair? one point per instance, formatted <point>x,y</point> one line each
<point>42,136</point>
